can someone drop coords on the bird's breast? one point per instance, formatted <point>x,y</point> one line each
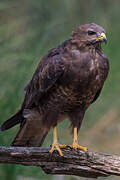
<point>84,78</point>
<point>79,84</point>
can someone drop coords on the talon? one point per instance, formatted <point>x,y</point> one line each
<point>56,147</point>
<point>68,146</point>
<point>82,148</point>
<point>76,146</point>
<point>62,146</point>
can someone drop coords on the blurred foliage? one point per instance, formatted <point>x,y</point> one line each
<point>28,29</point>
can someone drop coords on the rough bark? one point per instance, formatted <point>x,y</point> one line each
<point>90,164</point>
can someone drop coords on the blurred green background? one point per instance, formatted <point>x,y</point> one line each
<point>28,29</point>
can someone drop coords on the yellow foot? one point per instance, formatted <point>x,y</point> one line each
<point>76,147</point>
<point>57,147</point>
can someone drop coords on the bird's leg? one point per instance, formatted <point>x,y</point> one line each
<point>75,144</point>
<point>55,145</point>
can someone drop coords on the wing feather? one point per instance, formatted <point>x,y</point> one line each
<point>48,72</point>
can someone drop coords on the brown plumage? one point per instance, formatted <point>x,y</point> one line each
<point>68,79</point>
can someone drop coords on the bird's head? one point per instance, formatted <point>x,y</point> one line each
<point>89,34</point>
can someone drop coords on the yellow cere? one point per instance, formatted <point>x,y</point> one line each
<point>102,35</point>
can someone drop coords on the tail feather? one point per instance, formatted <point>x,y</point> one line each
<point>16,119</point>
<point>32,131</point>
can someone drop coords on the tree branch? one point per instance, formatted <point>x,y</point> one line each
<point>90,164</point>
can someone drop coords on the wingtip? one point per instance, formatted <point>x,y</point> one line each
<point>2,128</point>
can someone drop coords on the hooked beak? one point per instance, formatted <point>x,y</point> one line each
<point>101,38</point>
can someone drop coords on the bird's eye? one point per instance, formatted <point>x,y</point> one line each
<point>91,32</point>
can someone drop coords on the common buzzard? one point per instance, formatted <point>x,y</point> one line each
<point>67,80</point>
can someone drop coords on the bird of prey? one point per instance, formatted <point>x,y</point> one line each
<point>68,79</point>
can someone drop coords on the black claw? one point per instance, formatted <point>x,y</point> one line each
<point>68,146</point>
<point>80,151</point>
